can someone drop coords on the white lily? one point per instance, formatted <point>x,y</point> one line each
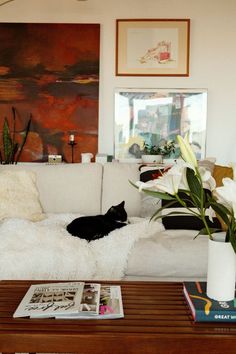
<point>226,194</point>
<point>145,185</point>
<point>210,213</point>
<point>207,179</point>
<point>181,167</point>
<point>168,183</point>
<point>186,150</point>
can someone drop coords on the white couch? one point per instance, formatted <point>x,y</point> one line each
<point>139,251</point>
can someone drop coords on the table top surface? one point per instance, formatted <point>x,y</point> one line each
<point>153,311</point>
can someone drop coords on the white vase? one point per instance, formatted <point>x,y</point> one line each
<point>221,269</point>
<point>152,158</point>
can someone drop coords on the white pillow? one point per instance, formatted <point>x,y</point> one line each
<point>208,163</point>
<point>19,196</point>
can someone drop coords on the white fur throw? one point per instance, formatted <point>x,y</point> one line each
<point>19,197</point>
<point>45,250</point>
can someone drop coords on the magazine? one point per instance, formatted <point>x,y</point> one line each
<point>49,300</point>
<point>111,305</point>
<point>203,308</point>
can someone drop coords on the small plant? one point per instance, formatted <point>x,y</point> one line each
<point>164,149</point>
<point>151,149</point>
<point>167,148</point>
<point>12,149</point>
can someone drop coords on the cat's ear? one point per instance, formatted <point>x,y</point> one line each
<point>122,203</point>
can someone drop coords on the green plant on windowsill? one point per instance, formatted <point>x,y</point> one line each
<point>164,149</point>
<point>149,149</point>
<point>11,149</point>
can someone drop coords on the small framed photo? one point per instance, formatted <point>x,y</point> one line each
<point>152,47</point>
<point>156,116</point>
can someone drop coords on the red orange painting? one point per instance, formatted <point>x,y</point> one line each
<point>52,72</point>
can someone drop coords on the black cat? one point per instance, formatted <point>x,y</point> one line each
<point>94,227</point>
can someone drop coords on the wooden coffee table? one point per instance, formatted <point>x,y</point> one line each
<point>157,320</point>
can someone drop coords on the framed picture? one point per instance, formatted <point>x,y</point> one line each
<point>152,47</point>
<point>50,71</point>
<point>154,116</point>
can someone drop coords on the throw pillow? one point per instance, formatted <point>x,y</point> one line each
<point>208,163</point>
<point>19,197</point>
<point>221,172</point>
<point>186,222</point>
<point>150,204</point>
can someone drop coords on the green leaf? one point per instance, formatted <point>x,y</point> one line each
<point>25,134</point>
<point>195,187</point>
<point>159,195</point>
<point>204,231</point>
<point>222,211</point>
<point>172,213</point>
<point>159,210</point>
<point>7,142</point>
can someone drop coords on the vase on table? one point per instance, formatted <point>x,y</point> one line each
<point>221,270</point>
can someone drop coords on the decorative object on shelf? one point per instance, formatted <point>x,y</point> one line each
<point>151,154</point>
<point>155,153</point>
<point>86,157</point>
<point>152,47</point>
<point>54,159</point>
<point>152,116</point>
<point>72,144</point>
<point>72,137</point>
<point>11,147</point>
<point>194,188</point>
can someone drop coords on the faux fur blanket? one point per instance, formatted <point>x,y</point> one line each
<point>45,250</point>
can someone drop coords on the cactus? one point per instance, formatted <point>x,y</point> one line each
<point>11,149</point>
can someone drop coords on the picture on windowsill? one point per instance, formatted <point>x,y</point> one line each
<point>154,117</point>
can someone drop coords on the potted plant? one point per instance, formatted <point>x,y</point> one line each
<point>12,149</point>
<point>167,148</point>
<point>155,153</point>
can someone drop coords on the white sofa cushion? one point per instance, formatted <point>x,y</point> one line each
<point>67,188</point>
<point>170,254</point>
<point>19,196</point>
<point>116,187</point>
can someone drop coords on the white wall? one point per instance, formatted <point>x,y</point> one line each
<point>212,55</point>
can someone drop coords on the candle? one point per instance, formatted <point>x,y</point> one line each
<point>72,137</point>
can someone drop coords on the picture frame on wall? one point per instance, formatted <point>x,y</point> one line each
<point>154,116</point>
<point>152,47</point>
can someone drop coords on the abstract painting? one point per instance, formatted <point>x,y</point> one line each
<point>51,71</point>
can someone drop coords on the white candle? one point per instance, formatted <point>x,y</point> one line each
<point>72,137</point>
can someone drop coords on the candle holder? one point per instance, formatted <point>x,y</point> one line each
<point>72,145</point>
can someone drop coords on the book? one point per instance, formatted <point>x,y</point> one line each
<point>203,308</point>
<point>49,300</point>
<point>110,305</point>
<point>76,300</point>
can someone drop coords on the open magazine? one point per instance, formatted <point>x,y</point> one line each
<point>110,306</point>
<point>71,300</point>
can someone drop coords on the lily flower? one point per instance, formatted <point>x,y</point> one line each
<point>207,179</point>
<point>226,194</point>
<point>186,150</point>
<point>168,183</point>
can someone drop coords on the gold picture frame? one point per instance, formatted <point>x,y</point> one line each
<point>152,47</point>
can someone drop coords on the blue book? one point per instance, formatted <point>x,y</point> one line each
<point>205,309</point>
